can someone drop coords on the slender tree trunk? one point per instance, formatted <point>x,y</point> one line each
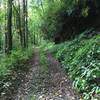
<point>18,23</point>
<point>5,28</point>
<point>26,23</point>
<point>8,36</point>
<point>23,25</point>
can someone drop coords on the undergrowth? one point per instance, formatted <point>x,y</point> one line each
<point>43,62</point>
<point>9,64</point>
<point>81,60</point>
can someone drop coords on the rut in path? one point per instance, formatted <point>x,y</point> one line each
<point>49,84</point>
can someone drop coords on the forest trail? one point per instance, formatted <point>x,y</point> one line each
<point>45,82</point>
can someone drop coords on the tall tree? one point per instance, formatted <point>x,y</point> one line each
<point>8,35</point>
<point>17,8</point>
<point>25,24</point>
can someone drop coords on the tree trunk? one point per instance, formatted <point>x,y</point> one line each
<point>18,23</point>
<point>26,24</point>
<point>8,37</point>
<point>23,25</point>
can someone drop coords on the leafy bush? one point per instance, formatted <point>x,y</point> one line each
<point>81,60</point>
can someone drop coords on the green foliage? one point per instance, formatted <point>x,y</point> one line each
<point>51,23</point>
<point>52,15</point>
<point>8,62</point>
<point>11,62</point>
<point>81,60</point>
<point>45,45</point>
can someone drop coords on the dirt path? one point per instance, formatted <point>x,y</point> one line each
<point>44,81</point>
<point>58,87</point>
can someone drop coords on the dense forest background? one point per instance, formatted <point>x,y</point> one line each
<point>69,29</point>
